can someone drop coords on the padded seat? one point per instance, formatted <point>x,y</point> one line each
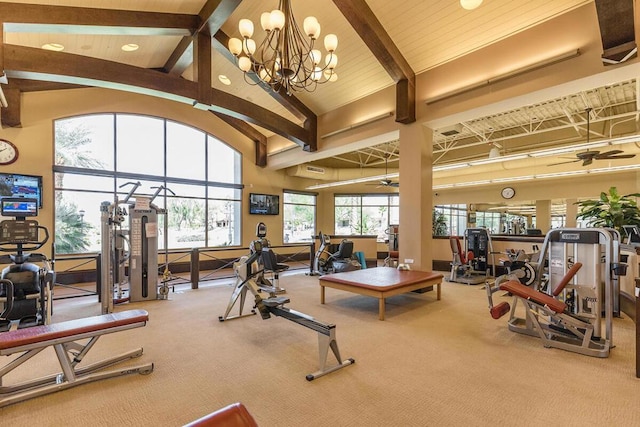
<point>270,261</point>
<point>234,415</point>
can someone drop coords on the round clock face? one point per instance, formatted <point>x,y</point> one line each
<point>508,192</point>
<point>8,152</point>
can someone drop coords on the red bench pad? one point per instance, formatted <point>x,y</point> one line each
<point>70,328</point>
<point>516,288</point>
<point>382,278</point>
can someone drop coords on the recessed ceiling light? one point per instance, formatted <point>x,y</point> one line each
<point>224,79</point>
<point>53,46</point>
<point>130,47</point>
<point>470,4</point>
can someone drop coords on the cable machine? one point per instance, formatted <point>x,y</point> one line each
<point>129,255</point>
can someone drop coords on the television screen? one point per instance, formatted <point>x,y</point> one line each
<point>264,204</point>
<point>19,207</point>
<point>16,185</point>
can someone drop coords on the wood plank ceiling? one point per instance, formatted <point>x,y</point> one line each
<point>414,37</point>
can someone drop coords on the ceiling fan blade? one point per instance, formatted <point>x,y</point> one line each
<point>606,154</point>
<point>587,162</point>
<point>621,156</point>
<point>562,163</point>
<point>394,184</point>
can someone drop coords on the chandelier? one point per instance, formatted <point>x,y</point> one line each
<point>286,57</point>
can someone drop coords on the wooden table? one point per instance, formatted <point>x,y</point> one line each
<point>381,283</point>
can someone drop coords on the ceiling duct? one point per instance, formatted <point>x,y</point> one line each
<point>315,169</point>
<point>617,31</point>
<point>335,174</point>
<point>451,130</point>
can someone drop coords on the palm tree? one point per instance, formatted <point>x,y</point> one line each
<point>71,141</point>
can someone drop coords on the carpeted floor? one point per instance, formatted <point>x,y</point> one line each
<point>430,363</point>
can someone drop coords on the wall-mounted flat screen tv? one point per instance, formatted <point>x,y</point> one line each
<point>264,204</point>
<point>17,185</point>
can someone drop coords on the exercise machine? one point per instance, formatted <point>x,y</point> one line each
<point>247,270</point>
<point>392,258</point>
<point>269,263</point>
<point>327,262</point>
<point>26,288</point>
<point>471,265</point>
<point>129,256</point>
<point>575,311</point>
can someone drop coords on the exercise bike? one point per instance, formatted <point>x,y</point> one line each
<point>26,289</point>
<point>326,262</point>
<point>248,272</point>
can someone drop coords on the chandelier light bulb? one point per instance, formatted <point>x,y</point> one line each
<point>317,74</point>
<point>249,47</point>
<point>235,46</point>
<point>277,19</point>
<point>244,63</point>
<point>330,75</point>
<point>246,28</point>
<point>265,21</point>
<point>311,27</point>
<point>330,42</point>
<point>264,75</point>
<point>315,56</point>
<point>331,61</point>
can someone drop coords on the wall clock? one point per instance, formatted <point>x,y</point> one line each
<point>8,152</point>
<point>508,192</point>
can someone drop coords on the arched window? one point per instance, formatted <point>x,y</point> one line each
<point>98,156</point>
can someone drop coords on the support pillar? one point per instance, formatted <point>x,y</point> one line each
<point>571,210</point>
<point>416,181</point>
<point>543,215</point>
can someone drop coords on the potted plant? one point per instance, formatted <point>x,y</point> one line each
<point>610,210</point>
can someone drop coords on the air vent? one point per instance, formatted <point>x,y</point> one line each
<point>450,130</point>
<point>315,169</point>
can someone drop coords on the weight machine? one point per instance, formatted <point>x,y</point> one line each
<point>247,271</point>
<point>130,255</point>
<point>472,266</point>
<point>579,300</point>
<point>26,289</point>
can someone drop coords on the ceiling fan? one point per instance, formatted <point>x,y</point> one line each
<point>386,182</point>
<point>587,157</point>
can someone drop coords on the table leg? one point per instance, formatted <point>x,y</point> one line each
<point>438,291</point>
<point>321,294</point>
<point>381,309</point>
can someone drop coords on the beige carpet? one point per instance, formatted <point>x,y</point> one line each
<point>431,363</point>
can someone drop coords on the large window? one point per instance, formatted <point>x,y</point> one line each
<point>299,217</point>
<point>101,157</point>
<point>454,216</point>
<point>366,214</point>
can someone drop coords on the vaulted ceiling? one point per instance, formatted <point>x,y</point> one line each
<point>182,52</point>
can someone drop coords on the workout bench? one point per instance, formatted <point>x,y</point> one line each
<point>64,337</point>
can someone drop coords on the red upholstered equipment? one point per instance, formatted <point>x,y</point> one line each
<point>567,278</point>
<point>234,415</point>
<point>514,287</point>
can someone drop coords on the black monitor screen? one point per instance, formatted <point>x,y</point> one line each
<point>17,185</point>
<point>19,207</point>
<point>264,204</point>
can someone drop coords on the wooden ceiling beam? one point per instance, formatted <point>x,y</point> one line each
<point>11,115</point>
<point>369,28</point>
<point>212,15</point>
<point>250,132</point>
<point>20,17</point>
<point>39,64</point>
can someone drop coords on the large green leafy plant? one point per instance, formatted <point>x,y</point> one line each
<point>610,210</point>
